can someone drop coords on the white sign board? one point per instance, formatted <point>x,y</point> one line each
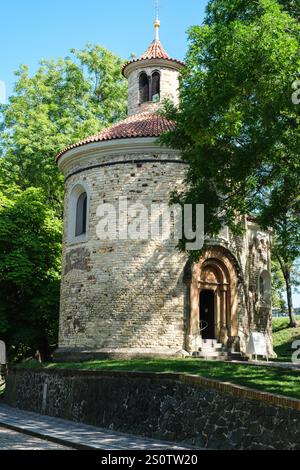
<point>2,353</point>
<point>257,345</point>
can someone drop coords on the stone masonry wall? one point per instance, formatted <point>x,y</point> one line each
<point>178,407</point>
<point>122,293</point>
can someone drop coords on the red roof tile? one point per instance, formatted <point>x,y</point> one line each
<point>154,51</point>
<point>138,125</point>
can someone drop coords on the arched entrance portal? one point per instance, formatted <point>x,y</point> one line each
<point>213,298</point>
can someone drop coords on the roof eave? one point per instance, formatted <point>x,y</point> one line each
<point>102,141</point>
<point>138,63</point>
<point>134,145</point>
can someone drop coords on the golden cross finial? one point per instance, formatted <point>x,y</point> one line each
<point>157,22</point>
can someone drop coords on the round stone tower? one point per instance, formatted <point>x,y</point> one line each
<point>123,295</point>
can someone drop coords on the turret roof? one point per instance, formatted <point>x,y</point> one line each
<point>154,51</point>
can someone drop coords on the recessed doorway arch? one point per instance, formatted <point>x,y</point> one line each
<point>213,297</point>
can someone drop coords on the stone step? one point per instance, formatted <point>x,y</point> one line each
<point>210,354</point>
<point>237,355</point>
<point>211,348</point>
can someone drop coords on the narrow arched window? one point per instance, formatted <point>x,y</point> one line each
<point>78,213</point>
<point>81,211</point>
<point>155,87</point>
<point>144,88</point>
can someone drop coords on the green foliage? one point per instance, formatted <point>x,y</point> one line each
<point>280,209</point>
<point>278,287</point>
<point>65,101</point>
<point>223,11</point>
<point>237,126</point>
<point>30,248</point>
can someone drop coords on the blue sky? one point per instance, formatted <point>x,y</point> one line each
<point>35,29</point>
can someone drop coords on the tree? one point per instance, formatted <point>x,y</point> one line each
<point>30,249</point>
<point>222,11</point>
<point>237,126</point>
<point>65,101</point>
<point>280,208</point>
<point>289,269</point>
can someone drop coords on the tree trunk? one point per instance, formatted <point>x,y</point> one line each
<point>286,271</point>
<point>289,294</point>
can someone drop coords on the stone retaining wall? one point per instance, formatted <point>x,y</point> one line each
<point>179,407</point>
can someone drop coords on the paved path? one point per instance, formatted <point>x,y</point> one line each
<point>76,435</point>
<point>12,440</point>
<point>277,365</point>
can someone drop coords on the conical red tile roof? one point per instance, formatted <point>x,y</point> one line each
<point>154,51</point>
<point>138,125</point>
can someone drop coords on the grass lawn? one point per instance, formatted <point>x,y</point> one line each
<point>283,337</point>
<point>279,381</point>
<point>273,380</point>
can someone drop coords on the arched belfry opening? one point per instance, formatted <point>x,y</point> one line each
<point>155,87</point>
<point>213,298</point>
<point>149,87</point>
<point>144,88</point>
